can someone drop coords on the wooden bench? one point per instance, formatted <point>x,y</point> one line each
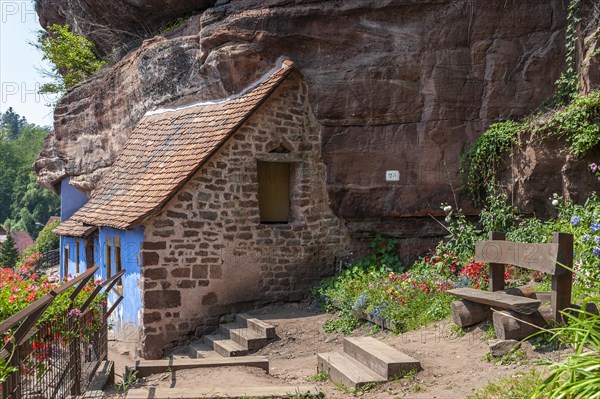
<point>554,258</point>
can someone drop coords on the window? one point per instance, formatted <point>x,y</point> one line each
<point>274,192</point>
<point>66,261</point>
<point>108,258</point>
<point>118,264</point>
<point>77,257</point>
<point>89,252</point>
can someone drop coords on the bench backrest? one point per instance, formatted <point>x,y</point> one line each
<point>540,257</point>
<point>555,258</point>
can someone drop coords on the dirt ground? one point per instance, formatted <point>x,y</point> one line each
<point>452,366</point>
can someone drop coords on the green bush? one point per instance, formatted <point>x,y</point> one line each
<point>479,164</point>
<point>72,56</point>
<point>418,296</point>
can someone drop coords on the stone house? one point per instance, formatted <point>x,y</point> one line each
<point>211,208</point>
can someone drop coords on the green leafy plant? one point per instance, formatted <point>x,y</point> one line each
<point>478,165</point>
<point>567,84</point>
<point>519,386</point>
<point>579,375</point>
<point>72,56</point>
<point>320,377</point>
<point>129,380</point>
<point>578,123</point>
<point>382,254</point>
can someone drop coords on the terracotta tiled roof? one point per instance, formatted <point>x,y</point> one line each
<point>22,240</point>
<point>74,228</point>
<point>163,152</point>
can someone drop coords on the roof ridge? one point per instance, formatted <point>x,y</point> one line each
<point>285,64</point>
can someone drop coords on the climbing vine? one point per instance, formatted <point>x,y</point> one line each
<point>577,123</point>
<point>567,85</point>
<point>577,120</point>
<point>478,165</point>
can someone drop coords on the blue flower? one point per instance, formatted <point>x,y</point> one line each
<point>597,239</point>
<point>360,303</point>
<point>586,237</point>
<point>575,220</point>
<point>596,251</point>
<point>595,227</point>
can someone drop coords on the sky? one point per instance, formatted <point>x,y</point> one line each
<point>20,63</point>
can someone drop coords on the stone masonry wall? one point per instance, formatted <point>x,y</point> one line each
<point>206,253</point>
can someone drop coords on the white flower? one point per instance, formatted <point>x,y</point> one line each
<point>554,195</point>
<point>555,202</point>
<point>447,208</point>
<point>447,219</point>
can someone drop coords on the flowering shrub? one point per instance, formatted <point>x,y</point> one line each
<point>418,296</point>
<point>20,287</point>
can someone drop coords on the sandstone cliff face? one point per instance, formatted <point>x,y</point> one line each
<point>397,85</point>
<point>116,26</point>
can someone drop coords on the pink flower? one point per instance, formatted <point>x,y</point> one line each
<point>12,298</point>
<point>75,312</point>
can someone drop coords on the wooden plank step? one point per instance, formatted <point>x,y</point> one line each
<point>247,338</point>
<point>259,326</point>
<point>145,368</point>
<point>201,350</point>
<point>386,361</point>
<point>222,392</point>
<point>344,369</point>
<point>500,300</point>
<point>224,346</point>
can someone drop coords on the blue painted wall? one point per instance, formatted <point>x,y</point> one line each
<point>71,199</point>
<point>71,242</point>
<point>126,319</point>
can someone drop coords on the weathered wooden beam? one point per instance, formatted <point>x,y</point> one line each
<point>497,269</point>
<point>562,283</point>
<point>498,299</point>
<point>540,257</point>
<point>466,313</point>
<point>513,325</point>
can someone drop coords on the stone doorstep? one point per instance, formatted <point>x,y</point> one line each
<point>344,369</point>
<point>226,392</point>
<point>145,368</point>
<point>380,357</point>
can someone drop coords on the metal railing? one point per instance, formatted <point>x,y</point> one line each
<point>58,357</point>
<point>48,259</point>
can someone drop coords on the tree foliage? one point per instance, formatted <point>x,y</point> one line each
<point>24,204</point>
<point>12,123</point>
<point>9,254</point>
<point>72,56</point>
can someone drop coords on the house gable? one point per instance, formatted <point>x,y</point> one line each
<point>206,253</point>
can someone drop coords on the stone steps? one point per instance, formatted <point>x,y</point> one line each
<point>247,334</point>
<point>222,392</point>
<point>224,346</point>
<point>365,360</point>
<point>247,338</point>
<point>344,369</point>
<point>256,325</point>
<point>379,357</point>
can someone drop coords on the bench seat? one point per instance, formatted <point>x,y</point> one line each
<point>498,299</point>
